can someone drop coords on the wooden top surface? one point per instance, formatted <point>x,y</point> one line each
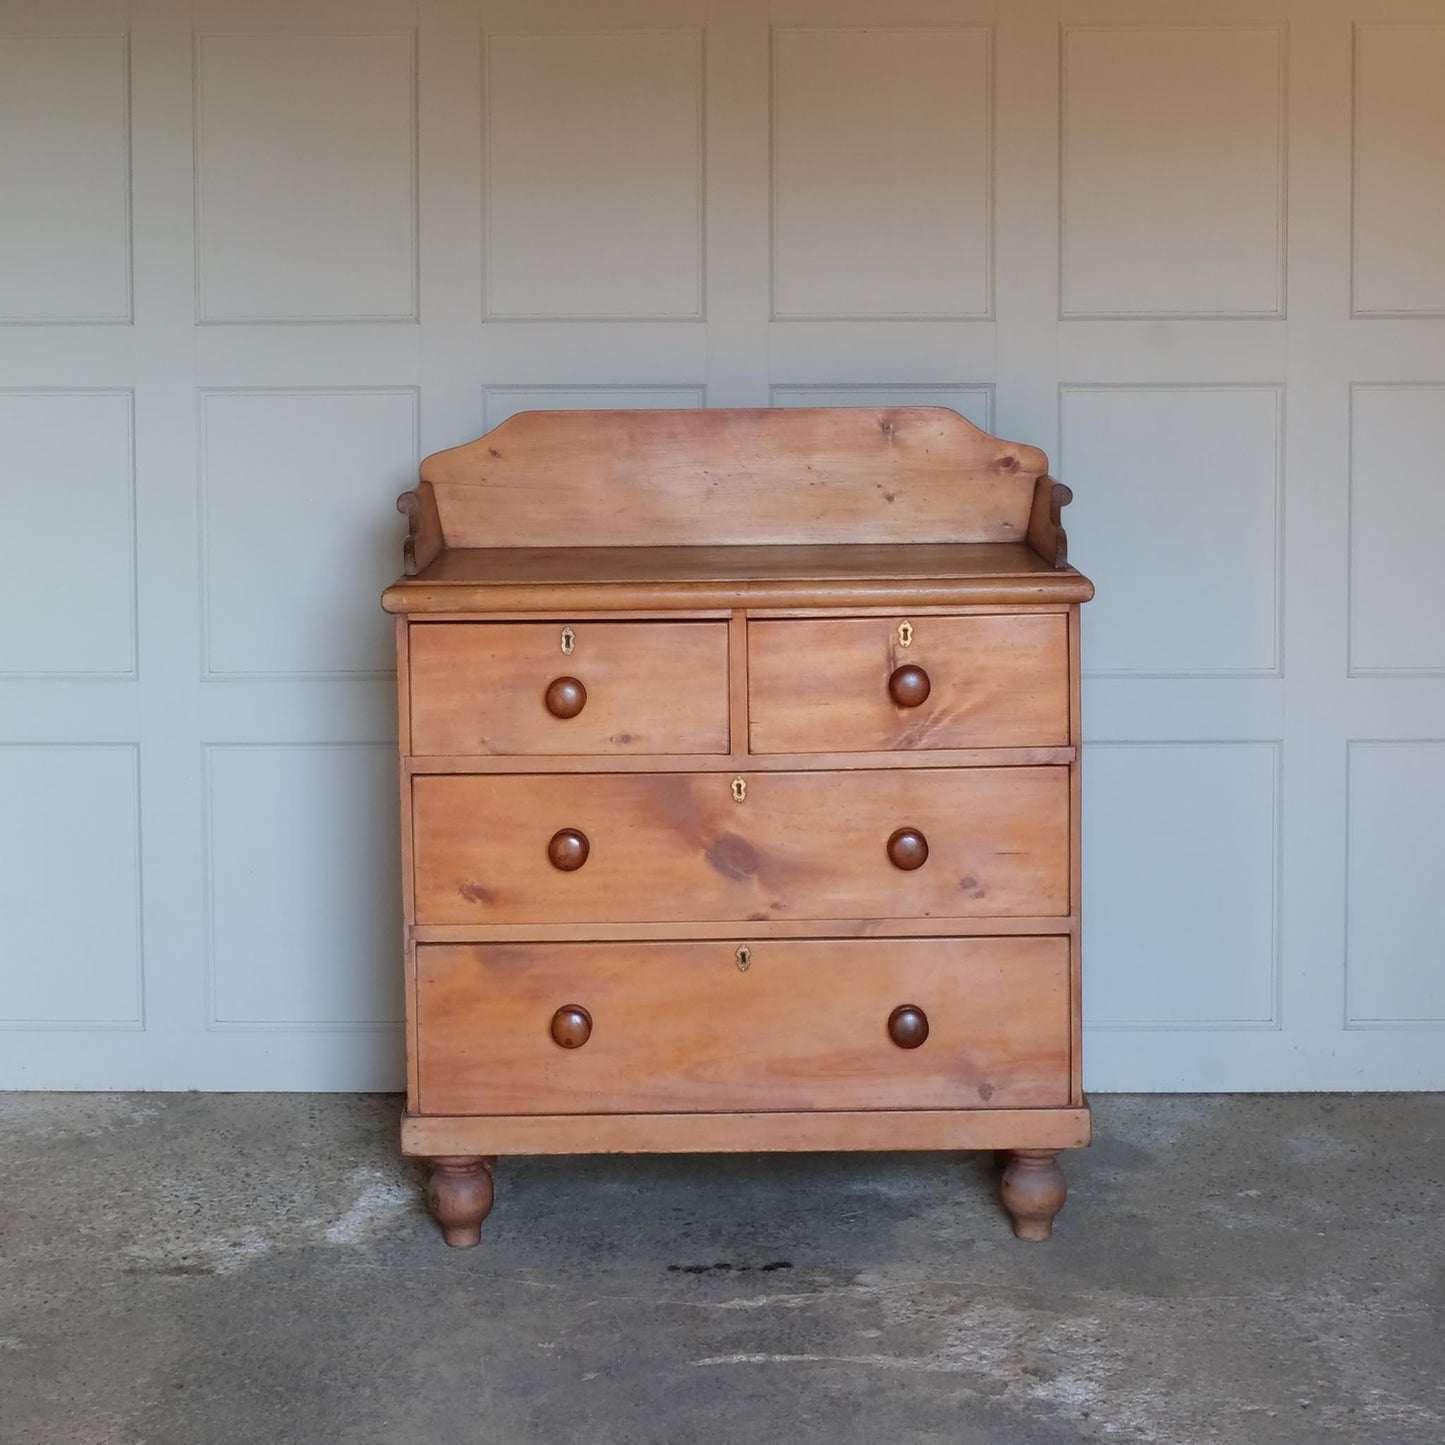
<point>860,574</point>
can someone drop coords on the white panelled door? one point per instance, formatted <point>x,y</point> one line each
<point>257,257</point>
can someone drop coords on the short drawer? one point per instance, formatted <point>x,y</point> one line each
<point>636,847</point>
<point>584,1028</point>
<point>850,684</point>
<point>606,687</point>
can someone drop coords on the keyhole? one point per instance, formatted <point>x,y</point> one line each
<point>740,789</point>
<point>905,634</point>
<point>569,640</point>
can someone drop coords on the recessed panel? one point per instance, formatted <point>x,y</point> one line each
<point>1399,262</point>
<point>1175,513</point>
<point>505,401</point>
<point>1173,162</point>
<point>594,174</point>
<point>1397,516</point>
<point>69,886</point>
<point>305,148</point>
<point>974,402</point>
<point>1393,961</point>
<point>66,487</point>
<point>1180,872</point>
<point>304,885</point>
<point>64,178</point>
<point>881,173</point>
<point>300,528</point>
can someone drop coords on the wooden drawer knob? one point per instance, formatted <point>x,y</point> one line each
<point>907,849</point>
<point>908,1026</point>
<point>566,697</point>
<point>568,849</point>
<point>909,685</point>
<point>572,1026</point>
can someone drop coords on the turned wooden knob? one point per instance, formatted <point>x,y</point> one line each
<point>566,697</point>
<point>907,849</point>
<point>568,849</point>
<point>909,685</point>
<point>572,1026</point>
<point>908,1026</point>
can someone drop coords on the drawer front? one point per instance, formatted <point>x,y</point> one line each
<point>670,1027</point>
<point>850,685</point>
<point>636,847</point>
<point>646,687</point>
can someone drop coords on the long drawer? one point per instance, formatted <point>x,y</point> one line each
<point>852,684</point>
<point>618,687</point>
<point>584,1028</point>
<point>632,847</point>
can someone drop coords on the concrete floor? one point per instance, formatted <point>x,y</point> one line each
<point>188,1269</point>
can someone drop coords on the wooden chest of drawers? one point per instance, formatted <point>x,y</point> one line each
<point>740,795</point>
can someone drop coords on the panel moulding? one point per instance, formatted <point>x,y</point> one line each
<point>489,288</point>
<point>126,317</point>
<point>891,393</point>
<point>986,314</point>
<point>1273,1021</point>
<point>130,673</point>
<point>1351,1022</point>
<point>207,672</point>
<point>136,1022</point>
<point>683,396</point>
<point>1352,668</point>
<point>207,317</point>
<point>1434,313</point>
<point>213,1023</point>
<point>1277,389</point>
<point>1279,310</point>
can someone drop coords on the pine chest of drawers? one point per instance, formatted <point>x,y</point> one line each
<point>740,795</point>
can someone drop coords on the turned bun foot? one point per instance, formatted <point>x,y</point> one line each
<point>1033,1191</point>
<point>459,1195</point>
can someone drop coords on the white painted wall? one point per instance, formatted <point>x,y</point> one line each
<point>258,256</point>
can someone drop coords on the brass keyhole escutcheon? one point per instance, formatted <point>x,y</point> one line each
<point>905,634</point>
<point>569,641</point>
<point>740,790</point>
<point>744,957</point>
